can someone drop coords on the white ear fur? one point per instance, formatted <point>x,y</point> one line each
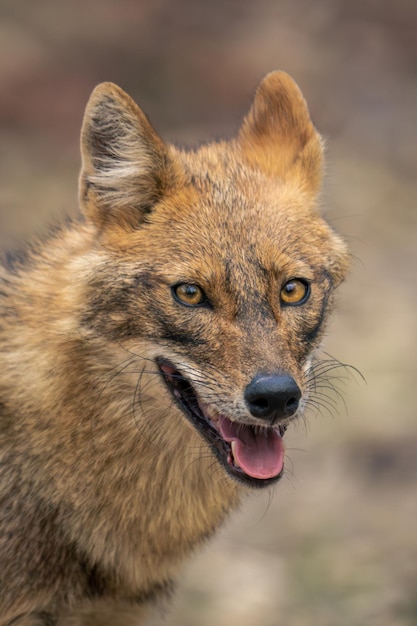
<point>125,166</point>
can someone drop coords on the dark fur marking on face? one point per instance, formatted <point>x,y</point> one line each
<point>311,335</point>
<point>172,332</point>
<point>249,297</point>
<point>145,279</point>
<point>314,332</point>
<point>183,338</point>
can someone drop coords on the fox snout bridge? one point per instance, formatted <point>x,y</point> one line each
<point>272,397</point>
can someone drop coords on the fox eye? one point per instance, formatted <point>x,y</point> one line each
<point>295,291</point>
<point>189,294</point>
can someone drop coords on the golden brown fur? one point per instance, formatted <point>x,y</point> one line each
<point>105,485</point>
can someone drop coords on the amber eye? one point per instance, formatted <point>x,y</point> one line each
<point>295,291</point>
<point>189,294</point>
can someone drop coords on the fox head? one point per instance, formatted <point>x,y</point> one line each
<point>214,267</point>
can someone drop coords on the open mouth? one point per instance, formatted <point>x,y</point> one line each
<point>254,455</point>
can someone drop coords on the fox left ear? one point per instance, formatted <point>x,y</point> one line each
<point>125,165</point>
<point>278,137</point>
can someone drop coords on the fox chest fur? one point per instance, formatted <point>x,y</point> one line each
<point>153,354</point>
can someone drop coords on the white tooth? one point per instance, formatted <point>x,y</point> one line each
<point>209,412</point>
<point>233,446</point>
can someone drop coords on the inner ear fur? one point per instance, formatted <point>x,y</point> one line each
<point>277,135</point>
<point>126,168</point>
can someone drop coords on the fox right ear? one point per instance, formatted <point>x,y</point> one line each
<point>125,165</point>
<point>278,137</point>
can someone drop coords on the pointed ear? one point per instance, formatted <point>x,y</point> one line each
<point>125,165</point>
<point>278,137</point>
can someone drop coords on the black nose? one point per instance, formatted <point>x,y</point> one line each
<point>272,397</point>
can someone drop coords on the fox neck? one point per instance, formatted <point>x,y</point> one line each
<point>151,519</point>
<point>176,494</point>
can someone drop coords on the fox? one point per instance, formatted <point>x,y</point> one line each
<point>154,350</point>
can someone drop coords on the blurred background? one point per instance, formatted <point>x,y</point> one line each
<point>335,543</point>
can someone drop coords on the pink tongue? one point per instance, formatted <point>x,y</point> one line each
<point>260,455</point>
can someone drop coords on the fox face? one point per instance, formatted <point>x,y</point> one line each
<point>214,267</point>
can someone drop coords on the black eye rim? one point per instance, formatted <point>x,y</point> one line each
<point>303,281</point>
<point>205,303</point>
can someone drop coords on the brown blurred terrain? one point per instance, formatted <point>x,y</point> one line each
<point>335,544</point>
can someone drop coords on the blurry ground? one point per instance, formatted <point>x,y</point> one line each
<point>336,544</point>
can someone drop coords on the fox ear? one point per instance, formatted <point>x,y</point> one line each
<point>278,137</point>
<point>125,165</point>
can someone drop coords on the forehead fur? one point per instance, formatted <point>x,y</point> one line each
<point>255,214</point>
